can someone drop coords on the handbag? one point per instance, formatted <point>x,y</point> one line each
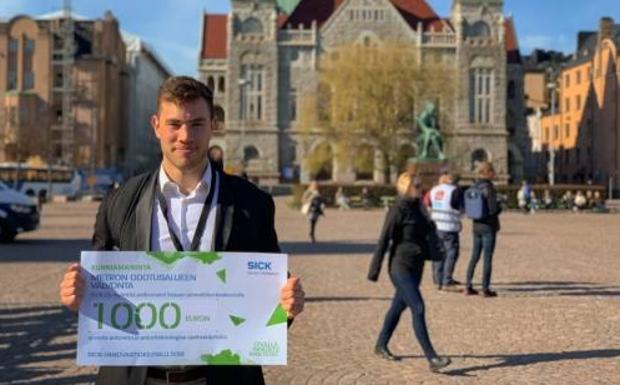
<point>436,250</point>
<point>305,208</point>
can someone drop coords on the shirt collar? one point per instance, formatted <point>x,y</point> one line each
<point>168,185</point>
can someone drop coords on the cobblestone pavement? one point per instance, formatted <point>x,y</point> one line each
<point>556,320</point>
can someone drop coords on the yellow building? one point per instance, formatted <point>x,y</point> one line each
<point>583,132</point>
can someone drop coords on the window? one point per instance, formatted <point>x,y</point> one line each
<point>211,83</point>
<point>12,65</point>
<point>556,132</point>
<point>252,92</point>
<point>578,75</point>
<point>567,130</point>
<point>250,153</point>
<point>292,104</point>
<point>566,105</point>
<point>221,84</point>
<point>480,29</point>
<point>511,89</point>
<point>480,95</point>
<point>28,64</point>
<point>252,26</point>
<point>477,157</point>
<point>567,80</point>
<point>578,102</point>
<point>547,134</point>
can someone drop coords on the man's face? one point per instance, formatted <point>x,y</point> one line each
<point>184,131</point>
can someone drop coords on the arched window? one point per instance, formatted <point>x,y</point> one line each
<point>219,114</point>
<point>477,157</point>
<point>252,26</point>
<point>211,83</point>
<point>479,29</point>
<point>221,84</point>
<point>250,153</point>
<point>364,162</point>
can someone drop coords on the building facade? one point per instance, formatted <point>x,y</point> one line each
<point>584,132</point>
<point>260,60</point>
<point>145,73</point>
<point>32,89</point>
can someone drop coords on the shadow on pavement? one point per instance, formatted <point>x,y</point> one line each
<point>558,288</point>
<point>532,359</point>
<point>30,336</point>
<point>327,247</point>
<point>43,250</point>
<point>346,299</point>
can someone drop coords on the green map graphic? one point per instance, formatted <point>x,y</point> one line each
<point>225,357</point>
<point>170,258</point>
<point>278,316</point>
<point>222,275</point>
<point>236,320</point>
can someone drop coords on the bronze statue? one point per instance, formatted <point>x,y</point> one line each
<point>429,140</point>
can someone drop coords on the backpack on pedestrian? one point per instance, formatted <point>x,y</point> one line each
<point>476,206</point>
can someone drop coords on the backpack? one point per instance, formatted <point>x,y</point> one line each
<point>476,206</point>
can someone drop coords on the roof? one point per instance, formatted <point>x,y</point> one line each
<point>214,37</point>
<point>308,11</point>
<point>513,56</point>
<point>413,11</point>
<point>287,6</point>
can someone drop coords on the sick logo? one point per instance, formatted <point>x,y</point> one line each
<point>255,265</point>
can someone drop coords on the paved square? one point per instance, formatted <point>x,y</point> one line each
<point>556,320</point>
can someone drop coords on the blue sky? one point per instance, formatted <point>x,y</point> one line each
<point>173,27</point>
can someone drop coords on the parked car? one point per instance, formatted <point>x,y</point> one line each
<point>18,213</point>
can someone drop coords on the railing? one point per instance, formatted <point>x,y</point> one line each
<point>439,39</point>
<point>296,37</point>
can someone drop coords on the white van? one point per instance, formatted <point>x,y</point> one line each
<point>18,213</point>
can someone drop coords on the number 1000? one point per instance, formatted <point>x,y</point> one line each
<point>146,315</point>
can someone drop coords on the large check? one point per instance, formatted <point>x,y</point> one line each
<point>182,308</point>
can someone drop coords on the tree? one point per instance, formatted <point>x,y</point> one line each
<point>369,95</point>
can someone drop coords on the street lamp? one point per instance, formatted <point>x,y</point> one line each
<point>242,117</point>
<point>551,164</point>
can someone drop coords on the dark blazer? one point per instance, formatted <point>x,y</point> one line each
<point>244,222</point>
<point>404,232</point>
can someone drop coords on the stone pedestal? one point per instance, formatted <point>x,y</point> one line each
<point>428,170</point>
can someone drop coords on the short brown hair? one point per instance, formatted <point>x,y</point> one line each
<point>183,89</point>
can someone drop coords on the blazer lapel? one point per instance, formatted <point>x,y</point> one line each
<point>225,215</point>
<point>144,212</point>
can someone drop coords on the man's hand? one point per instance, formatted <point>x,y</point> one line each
<point>72,288</point>
<point>292,297</point>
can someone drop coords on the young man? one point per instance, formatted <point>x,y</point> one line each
<point>485,231</point>
<point>446,207</point>
<point>239,217</point>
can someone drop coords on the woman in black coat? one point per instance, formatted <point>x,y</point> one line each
<point>405,233</point>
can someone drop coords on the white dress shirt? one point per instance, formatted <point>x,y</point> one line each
<point>183,213</point>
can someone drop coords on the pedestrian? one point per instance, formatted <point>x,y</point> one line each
<point>405,233</point>
<point>216,157</point>
<point>365,198</point>
<point>446,201</point>
<point>316,208</point>
<point>342,201</point>
<point>580,203</point>
<point>482,205</point>
<point>151,211</point>
<point>524,197</point>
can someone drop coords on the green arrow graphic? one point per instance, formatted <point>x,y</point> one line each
<point>236,320</point>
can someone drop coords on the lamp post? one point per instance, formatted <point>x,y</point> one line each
<point>242,117</point>
<point>551,164</point>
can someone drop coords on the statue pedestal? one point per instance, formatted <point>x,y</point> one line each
<point>428,170</point>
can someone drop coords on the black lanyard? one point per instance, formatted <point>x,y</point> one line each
<point>202,221</point>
